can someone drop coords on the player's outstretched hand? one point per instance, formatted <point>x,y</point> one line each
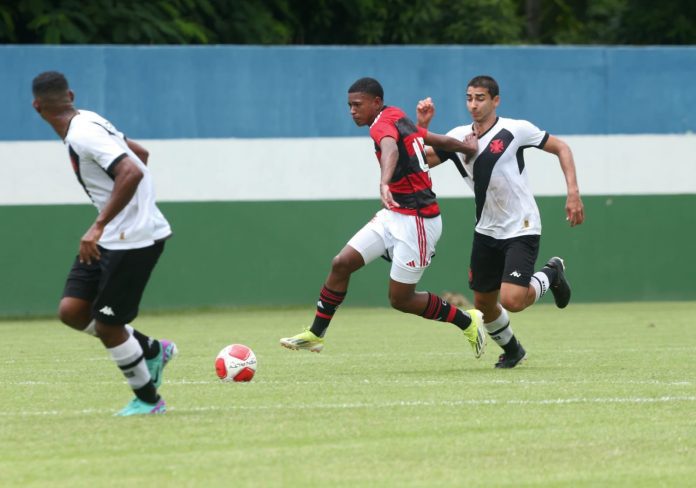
<point>425,111</point>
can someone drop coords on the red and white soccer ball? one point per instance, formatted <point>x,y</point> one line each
<point>235,362</point>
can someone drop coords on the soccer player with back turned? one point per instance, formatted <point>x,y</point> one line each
<point>508,224</point>
<point>405,231</point>
<point>120,249</point>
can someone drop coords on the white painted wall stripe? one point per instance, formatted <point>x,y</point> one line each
<point>342,168</point>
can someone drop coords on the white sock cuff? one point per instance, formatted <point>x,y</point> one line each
<point>91,328</point>
<point>129,349</point>
<point>540,283</point>
<point>502,320</point>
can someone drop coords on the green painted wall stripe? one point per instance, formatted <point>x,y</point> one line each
<point>278,253</point>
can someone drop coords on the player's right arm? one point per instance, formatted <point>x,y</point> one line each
<point>389,157</point>
<point>142,153</point>
<point>127,176</point>
<point>95,142</point>
<point>575,212</point>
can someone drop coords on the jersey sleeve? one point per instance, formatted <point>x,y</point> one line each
<point>94,143</point>
<point>383,128</point>
<point>456,133</point>
<point>531,135</point>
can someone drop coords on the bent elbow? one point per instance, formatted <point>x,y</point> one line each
<point>135,175</point>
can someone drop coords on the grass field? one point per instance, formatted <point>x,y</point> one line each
<point>607,398</point>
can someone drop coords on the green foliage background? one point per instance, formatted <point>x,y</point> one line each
<point>361,22</point>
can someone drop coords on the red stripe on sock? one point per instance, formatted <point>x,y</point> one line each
<point>432,306</point>
<point>328,301</point>
<point>438,308</point>
<point>324,316</point>
<point>451,314</point>
<point>331,296</point>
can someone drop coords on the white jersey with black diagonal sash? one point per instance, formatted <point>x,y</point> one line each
<point>95,148</point>
<point>505,205</point>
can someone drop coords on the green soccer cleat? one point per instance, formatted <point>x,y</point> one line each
<point>304,340</point>
<point>139,407</point>
<point>475,333</point>
<point>156,365</point>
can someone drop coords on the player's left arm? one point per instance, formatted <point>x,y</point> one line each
<point>127,176</point>
<point>142,153</point>
<point>575,212</point>
<point>425,111</point>
<point>468,147</point>
<point>389,156</point>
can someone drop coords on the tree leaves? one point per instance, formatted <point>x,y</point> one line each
<point>362,22</point>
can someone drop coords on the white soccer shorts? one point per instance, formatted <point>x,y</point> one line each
<point>408,240</point>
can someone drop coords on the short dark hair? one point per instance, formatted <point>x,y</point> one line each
<point>49,83</point>
<point>367,85</point>
<point>487,82</point>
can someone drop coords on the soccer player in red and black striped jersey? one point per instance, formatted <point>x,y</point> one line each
<point>404,232</point>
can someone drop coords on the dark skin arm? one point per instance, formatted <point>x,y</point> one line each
<point>127,177</point>
<point>425,111</point>
<point>388,158</point>
<point>139,150</point>
<point>468,147</point>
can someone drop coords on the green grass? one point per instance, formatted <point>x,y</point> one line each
<point>607,398</point>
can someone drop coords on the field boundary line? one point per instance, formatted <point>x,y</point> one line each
<point>360,405</point>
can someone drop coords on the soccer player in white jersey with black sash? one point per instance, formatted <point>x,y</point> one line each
<point>120,249</point>
<point>508,225</point>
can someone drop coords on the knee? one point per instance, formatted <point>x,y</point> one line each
<point>67,315</point>
<point>397,302</point>
<point>402,302</point>
<point>73,316</point>
<point>513,304</point>
<point>341,265</point>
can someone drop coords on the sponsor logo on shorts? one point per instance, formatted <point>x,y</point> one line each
<point>106,310</point>
<point>516,274</point>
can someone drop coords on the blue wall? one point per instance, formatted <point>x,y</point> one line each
<point>241,91</point>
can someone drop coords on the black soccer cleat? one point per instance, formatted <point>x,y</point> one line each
<point>560,286</point>
<point>507,361</point>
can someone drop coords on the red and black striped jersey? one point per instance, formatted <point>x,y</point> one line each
<point>410,185</point>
